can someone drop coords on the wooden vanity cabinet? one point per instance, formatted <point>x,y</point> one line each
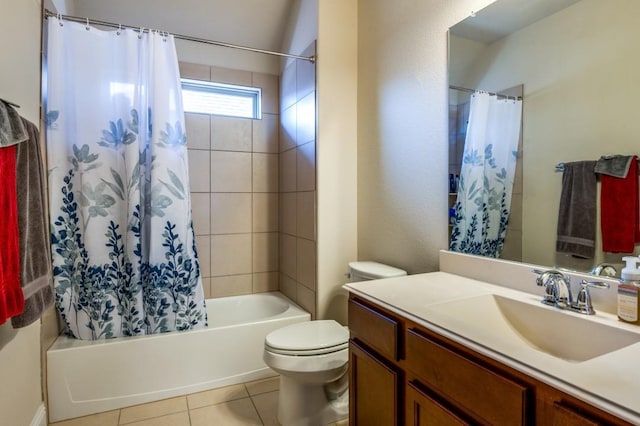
<point>376,380</point>
<point>404,374</point>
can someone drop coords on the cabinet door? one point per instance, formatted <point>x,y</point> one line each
<point>423,409</point>
<point>373,389</point>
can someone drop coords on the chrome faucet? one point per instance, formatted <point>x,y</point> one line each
<point>557,291</point>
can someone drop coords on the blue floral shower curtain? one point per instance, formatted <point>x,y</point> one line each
<point>123,245</point>
<point>487,174</point>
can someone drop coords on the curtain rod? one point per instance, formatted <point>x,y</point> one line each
<point>48,13</point>
<point>464,89</point>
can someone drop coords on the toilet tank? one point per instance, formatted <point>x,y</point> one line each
<point>367,270</point>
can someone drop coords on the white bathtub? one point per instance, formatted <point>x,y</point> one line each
<point>86,377</point>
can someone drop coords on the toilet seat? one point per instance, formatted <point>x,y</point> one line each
<point>308,338</point>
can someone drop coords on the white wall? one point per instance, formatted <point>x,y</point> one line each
<point>579,68</point>
<point>20,393</point>
<point>402,129</point>
<point>337,75</point>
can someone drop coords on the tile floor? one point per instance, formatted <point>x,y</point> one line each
<point>252,403</point>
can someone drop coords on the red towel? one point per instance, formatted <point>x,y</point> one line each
<point>11,296</point>
<point>619,211</point>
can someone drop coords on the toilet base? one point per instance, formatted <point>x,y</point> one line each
<point>301,404</point>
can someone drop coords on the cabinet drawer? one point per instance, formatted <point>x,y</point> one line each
<point>376,329</point>
<point>482,393</point>
<point>424,409</point>
<point>567,416</point>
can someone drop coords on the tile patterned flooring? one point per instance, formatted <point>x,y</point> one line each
<point>252,403</point>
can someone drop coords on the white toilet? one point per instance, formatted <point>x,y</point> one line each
<point>311,358</point>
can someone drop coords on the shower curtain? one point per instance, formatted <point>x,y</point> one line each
<point>486,177</point>
<point>123,246</point>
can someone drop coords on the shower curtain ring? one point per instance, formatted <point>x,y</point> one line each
<point>141,32</point>
<point>87,26</point>
<point>60,19</point>
<point>119,29</point>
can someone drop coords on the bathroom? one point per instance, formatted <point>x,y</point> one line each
<point>382,110</point>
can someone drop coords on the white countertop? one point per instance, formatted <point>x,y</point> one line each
<point>610,382</point>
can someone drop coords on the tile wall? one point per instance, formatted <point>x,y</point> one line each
<point>298,182</point>
<point>234,174</point>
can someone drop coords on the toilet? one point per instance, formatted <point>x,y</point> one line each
<point>312,360</point>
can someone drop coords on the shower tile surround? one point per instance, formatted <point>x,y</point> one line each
<point>253,187</point>
<point>233,166</point>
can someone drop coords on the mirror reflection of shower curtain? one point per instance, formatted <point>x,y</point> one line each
<point>487,174</point>
<point>123,245</point>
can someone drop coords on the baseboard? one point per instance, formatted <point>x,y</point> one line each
<point>40,418</point>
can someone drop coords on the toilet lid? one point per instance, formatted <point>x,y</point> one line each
<point>308,336</point>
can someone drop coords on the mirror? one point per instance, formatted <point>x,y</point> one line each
<point>578,64</point>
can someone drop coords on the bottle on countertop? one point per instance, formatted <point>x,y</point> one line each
<point>628,291</point>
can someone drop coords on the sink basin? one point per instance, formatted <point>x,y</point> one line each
<point>496,320</point>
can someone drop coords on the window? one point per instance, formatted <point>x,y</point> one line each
<point>207,97</point>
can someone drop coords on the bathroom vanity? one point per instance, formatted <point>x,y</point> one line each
<point>443,349</point>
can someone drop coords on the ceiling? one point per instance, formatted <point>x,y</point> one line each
<point>254,23</point>
<point>504,17</point>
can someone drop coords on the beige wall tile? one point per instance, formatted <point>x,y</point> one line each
<point>288,287</point>
<point>306,215</point>
<point>200,210</point>
<point>153,409</point>
<point>288,255</point>
<point>267,406</point>
<point>231,285</point>
<point>288,164</point>
<point>231,133</point>
<point>203,246</point>
<point>306,167</point>
<point>216,396</point>
<point>265,212</point>
<point>230,213</point>
<point>198,131</point>
<point>515,215</point>
<point>288,86</point>
<point>240,412</point>
<point>270,91</point>
<point>194,71</point>
<point>265,172</point>
<point>288,213</point>
<point>230,255</point>
<point>230,76</point>
<point>206,287</point>
<point>230,171</point>
<point>50,329</point>
<point>265,252</point>
<point>306,119</point>
<point>306,263</point>
<point>306,299</point>
<point>109,418</point>
<point>266,133</point>
<point>288,128</point>
<point>266,281</point>
<point>305,78</point>
<point>199,170</point>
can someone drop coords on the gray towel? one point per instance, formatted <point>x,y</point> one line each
<point>12,130</point>
<point>614,165</point>
<point>35,263</point>
<point>577,214</point>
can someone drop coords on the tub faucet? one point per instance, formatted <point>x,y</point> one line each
<point>605,269</point>
<point>557,291</point>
